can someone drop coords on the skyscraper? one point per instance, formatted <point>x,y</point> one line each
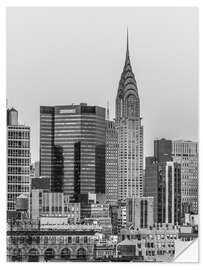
<point>173,193</point>
<point>18,137</point>
<point>130,135</point>
<point>186,153</point>
<point>111,160</point>
<point>155,177</point>
<point>152,186</point>
<point>72,148</point>
<point>163,151</point>
<point>163,183</point>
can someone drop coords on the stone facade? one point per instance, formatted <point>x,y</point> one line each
<point>154,244</point>
<point>50,245</point>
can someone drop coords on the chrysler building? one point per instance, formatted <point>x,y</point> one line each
<point>130,135</point>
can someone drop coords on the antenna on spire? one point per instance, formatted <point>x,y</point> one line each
<point>127,51</point>
<point>107,110</point>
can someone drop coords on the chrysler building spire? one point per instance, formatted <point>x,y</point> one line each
<point>127,51</point>
<point>127,59</point>
<point>127,88</point>
<point>130,134</point>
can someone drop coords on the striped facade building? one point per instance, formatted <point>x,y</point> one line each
<point>186,153</point>
<point>72,148</point>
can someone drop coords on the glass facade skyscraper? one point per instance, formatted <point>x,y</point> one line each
<point>72,148</point>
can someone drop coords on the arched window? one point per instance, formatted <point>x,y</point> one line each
<point>49,254</point>
<point>65,254</point>
<point>119,106</point>
<point>131,106</point>
<point>33,255</point>
<point>17,255</point>
<point>81,254</point>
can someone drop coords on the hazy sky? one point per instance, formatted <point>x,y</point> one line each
<point>60,56</point>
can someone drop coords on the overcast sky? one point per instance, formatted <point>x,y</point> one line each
<point>60,56</point>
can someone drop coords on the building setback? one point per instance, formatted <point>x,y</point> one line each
<point>186,153</point>
<point>18,154</point>
<point>111,164</point>
<point>72,148</point>
<point>130,135</point>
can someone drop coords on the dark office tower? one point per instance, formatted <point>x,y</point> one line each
<point>173,193</point>
<point>163,150</point>
<point>72,148</point>
<point>162,154</point>
<point>77,169</point>
<point>47,141</point>
<point>152,186</point>
<point>111,161</point>
<point>130,135</point>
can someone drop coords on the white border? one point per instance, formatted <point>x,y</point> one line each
<point>77,3</point>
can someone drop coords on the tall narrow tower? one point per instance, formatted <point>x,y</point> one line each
<point>18,151</point>
<point>130,134</point>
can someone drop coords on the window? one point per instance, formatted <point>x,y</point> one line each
<point>77,239</point>
<point>85,239</point>
<point>69,240</point>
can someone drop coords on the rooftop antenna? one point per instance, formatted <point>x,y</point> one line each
<point>108,110</point>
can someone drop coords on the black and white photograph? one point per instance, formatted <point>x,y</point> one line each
<point>102,134</point>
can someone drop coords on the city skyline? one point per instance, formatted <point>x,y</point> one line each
<point>90,196</point>
<point>113,48</point>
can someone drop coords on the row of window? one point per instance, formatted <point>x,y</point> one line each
<point>18,153</point>
<point>19,161</point>
<point>159,252</point>
<point>18,188</point>
<point>158,237</point>
<point>18,135</point>
<point>64,240</point>
<point>66,209</point>
<point>18,170</point>
<point>18,144</point>
<point>18,179</point>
